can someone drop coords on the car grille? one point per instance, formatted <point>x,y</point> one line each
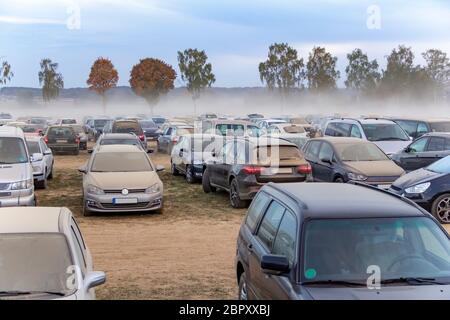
<point>4,186</point>
<point>119,191</point>
<point>139,205</point>
<point>382,179</point>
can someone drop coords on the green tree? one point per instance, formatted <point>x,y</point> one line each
<point>362,74</point>
<point>50,80</point>
<point>438,69</point>
<point>5,72</point>
<point>282,69</point>
<point>195,72</point>
<point>321,70</point>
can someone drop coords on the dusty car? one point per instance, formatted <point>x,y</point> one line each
<point>170,136</point>
<point>82,135</point>
<point>121,178</point>
<point>44,256</point>
<point>345,159</point>
<point>119,138</point>
<point>43,164</point>
<point>290,132</point>
<point>318,241</point>
<point>418,127</point>
<point>127,126</point>
<point>150,129</point>
<point>243,165</point>
<point>62,138</point>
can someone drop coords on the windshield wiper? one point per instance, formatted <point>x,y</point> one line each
<point>390,139</point>
<point>412,281</point>
<point>19,293</point>
<point>338,282</point>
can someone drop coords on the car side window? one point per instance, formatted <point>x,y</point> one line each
<point>256,210</point>
<point>422,128</point>
<point>270,222</point>
<point>331,130</point>
<point>326,152</point>
<point>168,131</point>
<point>436,144</point>
<point>286,238</point>
<point>419,145</point>
<point>313,149</point>
<point>355,132</point>
<point>79,252</point>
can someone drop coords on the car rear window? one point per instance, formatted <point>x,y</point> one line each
<point>294,129</point>
<point>68,121</point>
<point>127,127</point>
<point>276,153</point>
<point>61,132</point>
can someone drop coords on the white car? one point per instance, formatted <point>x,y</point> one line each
<point>265,123</point>
<point>42,160</point>
<point>43,256</point>
<point>290,132</point>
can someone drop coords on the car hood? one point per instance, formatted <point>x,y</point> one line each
<point>427,292</point>
<point>390,147</point>
<point>384,168</point>
<point>416,177</point>
<point>123,180</point>
<point>15,172</point>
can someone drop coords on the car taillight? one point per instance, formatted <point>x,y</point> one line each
<point>304,168</point>
<point>46,139</point>
<point>175,139</point>
<point>142,137</point>
<point>252,170</point>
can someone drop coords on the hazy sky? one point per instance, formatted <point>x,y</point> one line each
<point>235,33</point>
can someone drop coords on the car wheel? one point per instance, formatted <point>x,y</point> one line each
<point>206,184</point>
<point>190,174</point>
<point>42,184</point>
<point>235,198</point>
<point>339,180</point>
<point>50,175</point>
<point>243,291</point>
<point>174,170</point>
<point>86,211</point>
<point>441,208</point>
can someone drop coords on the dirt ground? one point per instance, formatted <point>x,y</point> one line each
<point>187,252</point>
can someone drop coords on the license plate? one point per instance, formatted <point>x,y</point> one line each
<point>384,186</point>
<point>61,141</point>
<point>270,171</point>
<point>124,201</point>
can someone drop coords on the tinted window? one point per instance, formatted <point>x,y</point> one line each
<point>256,210</point>
<point>440,126</point>
<point>285,240</point>
<point>12,150</point>
<point>61,132</point>
<point>419,145</point>
<point>270,223</point>
<point>313,149</point>
<point>337,129</point>
<point>326,151</point>
<point>384,132</point>
<point>409,126</point>
<point>436,144</point>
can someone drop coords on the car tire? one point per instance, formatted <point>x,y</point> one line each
<point>243,289</point>
<point>338,180</point>
<point>86,211</point>
<point>50,175</point>
<point>235,199</point>
<point>42,184</point>
<point>206,184</point>
<point>174,170</point>
<point>440,208</point>
<point>190,178</point>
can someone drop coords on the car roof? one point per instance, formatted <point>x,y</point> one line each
<point>7,131</point>
<point>200,135</point>
<point>119,148</point>
<point>345,200</point>
<point>29,219</point>
<point>119,136</point>
<point>431,120</point>
<point>230,121</point>
<point>341,140</point>
<point>271,141</point>
<point>437,134</point>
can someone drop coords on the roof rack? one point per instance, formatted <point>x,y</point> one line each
<point>345,118</point>
<point>290,195</point>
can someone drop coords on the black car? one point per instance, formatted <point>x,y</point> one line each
<point>150,128</point>
<point>428,187</point>
<point>244,165</point>
<point>340,241</point>
<point>423,151</point>
<point>416,128</point>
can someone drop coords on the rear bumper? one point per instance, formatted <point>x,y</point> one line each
<point>64,148</point>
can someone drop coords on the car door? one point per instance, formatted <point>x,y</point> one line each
<point>436,149</point>
<point>261,245</point>
<point>176,155</point>
<point>410,159</point>
<point>214,164</point>
<point>48,158</point>
<point>312,155</point>
<point>324,166</point>
<point>166,138</point>
<point>229,160</point>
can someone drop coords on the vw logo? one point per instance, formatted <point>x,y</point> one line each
<point>125,192</point>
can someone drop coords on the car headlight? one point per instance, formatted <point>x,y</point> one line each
<point>94,190</point>
<point>153,189</point>
<point>36,169</point>
<point>356,176</point>
<point>22,185</point>
<point>420,188</point>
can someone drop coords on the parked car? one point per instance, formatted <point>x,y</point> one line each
<point>158,120</point>
<point>423,151</point>
<point>127,126</point>
<point>205,116</point>
<point>63,139</point>
<point>190,154</point>
<point>119,138</point>
<point>313,241</point>
<point>290,132</point>
<point>16,171</point>
<point>96,126</point>
<point>416,127</point>
<point>265,123</point>
<point>170,136</point>
<point>66,121</point>
<point>121,178</point>
<point>243,166</point>
<point>5,117</point>
<point>44,256</point>
<point>345,159</point>
<point>255,117</point>
<point>301,122</point>
<point>40,123</point>
<point>81,134</point>
<point>429,187</point>
<point>237,128</point>
<point>43,164</point>
<point>150,128</point>
<point>386,134</point>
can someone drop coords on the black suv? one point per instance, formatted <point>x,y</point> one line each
<point>340,241</point>
<point>244,165</point>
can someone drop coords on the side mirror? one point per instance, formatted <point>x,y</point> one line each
<point>94,279</point>
<point>159,168</point>
<point>48,152</point>
<point>37,157</point>
<point>407,149</point>
<point>274,264</point>
<point>82,170</point>
<point>90,150</point>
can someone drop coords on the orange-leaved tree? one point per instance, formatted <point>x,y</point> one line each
<point>103,77</point>
<point>151,78</point>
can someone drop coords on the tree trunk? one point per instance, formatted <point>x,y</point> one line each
<point>195,106</point>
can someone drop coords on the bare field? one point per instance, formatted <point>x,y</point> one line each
<point>185,253</point>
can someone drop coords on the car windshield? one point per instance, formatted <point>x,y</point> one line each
<point>359,152</point>
<point>384,132</point>
<point>33,147</point>
<point>35,263</point>
<point>347,249</point>
<point>12,150</point>
<point>121,162</point>
<point>440,166</point>
<point>440,126</point>
<point>148,124</point>
<point>133,142</point>
<point>100,123</point>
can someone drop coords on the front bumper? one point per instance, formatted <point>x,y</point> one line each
<point>104,203</point>
<point>14,200</point>
<point>198,171</point>
<point>424,200</point>
<point>38,177</point>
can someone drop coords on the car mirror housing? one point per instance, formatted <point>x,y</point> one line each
<point>275,264</point>
<point>94,279</point>
<point>37,157</point>
<point>82,169</point>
